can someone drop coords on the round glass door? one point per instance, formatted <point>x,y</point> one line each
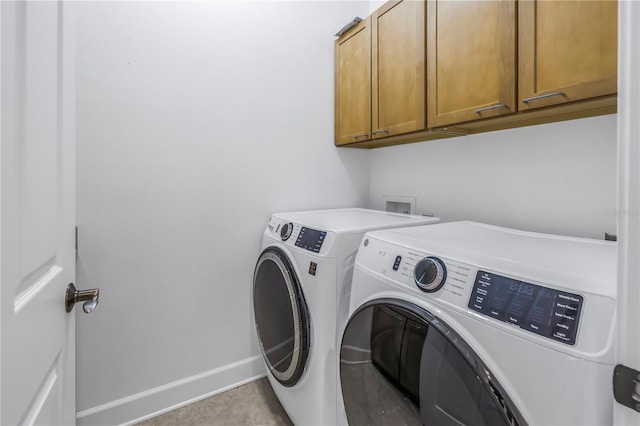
<point>281,316</point>
<point>401,365</point>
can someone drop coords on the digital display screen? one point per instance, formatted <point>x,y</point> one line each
<point>310,239</point>
<point>550,313</point>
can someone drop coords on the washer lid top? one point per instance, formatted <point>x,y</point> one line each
<point>543,256</point>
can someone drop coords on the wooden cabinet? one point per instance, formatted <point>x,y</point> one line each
<point>490,65</point>
<point>353,85</point>
<point>380,75</point>
<point>398,68</point>
<point>567,51</point>
<point>471,57</point>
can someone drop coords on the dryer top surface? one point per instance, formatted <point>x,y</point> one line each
<point>353,219</point>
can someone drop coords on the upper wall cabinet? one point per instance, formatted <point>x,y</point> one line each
<point>567,51</point>
<point>353,85</point>
<point>398,68</point>
<point>380,75</point>
<point>490,65</point>
<point>471,57</point>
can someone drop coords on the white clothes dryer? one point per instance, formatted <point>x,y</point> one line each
<point>301,287</point>
<point>469,324</point>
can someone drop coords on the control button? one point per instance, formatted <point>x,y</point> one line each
<point>396,264</point>
<point>313,266</point>
<point>286,231</point>
<point>430,274</point>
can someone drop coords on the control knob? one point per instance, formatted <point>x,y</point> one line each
<point>430,274</point>
<point>286,230</point>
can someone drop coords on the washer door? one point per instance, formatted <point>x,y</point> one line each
<point>281,316</point>
<point>401,365</point>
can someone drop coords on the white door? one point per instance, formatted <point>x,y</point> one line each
<point>628,344</point>
<point>37,191</point>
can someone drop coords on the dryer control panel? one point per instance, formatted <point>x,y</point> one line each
<point>310,239</point>
<point>297,235</point>
<point>541,310</point>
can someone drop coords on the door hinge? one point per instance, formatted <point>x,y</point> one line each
<point>626,387</point>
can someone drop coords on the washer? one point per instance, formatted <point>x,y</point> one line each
<point>302,274</point>
<point>465,323</point>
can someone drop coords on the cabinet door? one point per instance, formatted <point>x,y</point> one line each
<point>471,49</point>
<point>398,56</point>
<point>353,85</point>
<point>567,51</point>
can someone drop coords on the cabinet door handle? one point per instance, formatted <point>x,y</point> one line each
<point>481,110</point>
<point>548,95</point>
<point>360,135</point>
<point>379,131</point>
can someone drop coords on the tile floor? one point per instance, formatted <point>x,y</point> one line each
<point>251,404</point>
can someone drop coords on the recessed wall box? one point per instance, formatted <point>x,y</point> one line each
<point>399,204</point>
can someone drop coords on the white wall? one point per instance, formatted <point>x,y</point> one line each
<point>374,5</point>
<point>196,121</point>
<point>556,178</point>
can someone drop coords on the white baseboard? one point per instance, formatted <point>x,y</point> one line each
<point>162,399</point>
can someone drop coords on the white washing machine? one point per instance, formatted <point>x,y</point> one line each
<point>469,324</point>
<point>300,278</point>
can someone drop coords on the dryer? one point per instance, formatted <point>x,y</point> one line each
<point>301,288</point>
<point>465,323</point>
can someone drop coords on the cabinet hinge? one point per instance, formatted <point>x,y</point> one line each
<point>626,387</point>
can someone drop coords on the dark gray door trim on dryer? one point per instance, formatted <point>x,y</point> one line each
<point>281,316</point>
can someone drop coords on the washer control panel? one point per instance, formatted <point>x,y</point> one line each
<point>541,310</point>
<point>430,274</point>
<point>551,313</point>
<point>438,278</point>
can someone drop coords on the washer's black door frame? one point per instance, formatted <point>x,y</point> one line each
<point>511,414</point>
<point>299,315</point>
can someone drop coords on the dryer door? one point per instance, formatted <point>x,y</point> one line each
<point>281,316</point>
<point>401,365</point>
